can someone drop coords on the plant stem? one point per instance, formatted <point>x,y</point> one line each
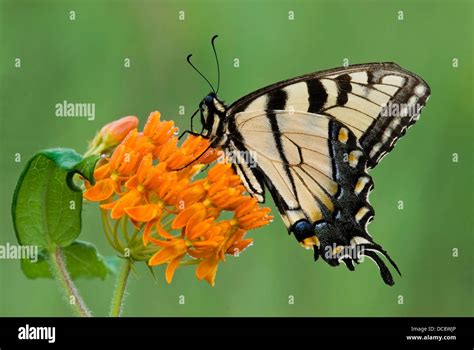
<point>121,285</point>
<point>58,267</point>
<point>93,151</point>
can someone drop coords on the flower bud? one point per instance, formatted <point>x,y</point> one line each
<point>112,134</point>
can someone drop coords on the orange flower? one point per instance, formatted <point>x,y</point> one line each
<point>194,149</point>
<point>110,176</point>
<point>249,215</point>
<point>159,133</point>
<point>148,181</point>
<point>203,239</point>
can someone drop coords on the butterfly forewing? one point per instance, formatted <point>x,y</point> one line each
<point>377,101</point>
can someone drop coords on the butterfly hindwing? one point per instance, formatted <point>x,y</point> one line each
<point>377,101</point>
<point>315,170</point>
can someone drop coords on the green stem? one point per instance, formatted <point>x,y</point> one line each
<point>116,236</point>
<point>95,150</point>
<point>135,233</point>
<point>58,267</point>
<point>120,286</point>
<point>106,228</point>
<point>125,229</point>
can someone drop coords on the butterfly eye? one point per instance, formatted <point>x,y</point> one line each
<point>209,99</point>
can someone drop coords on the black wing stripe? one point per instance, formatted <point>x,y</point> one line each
<point>317,95</point>
<point>344,86</point>
<point>248,181</point>
<point>256,176</point>
<point>370,77</point>
<point>277,100</point>
<point>276,134</point>
<point>288,181</point>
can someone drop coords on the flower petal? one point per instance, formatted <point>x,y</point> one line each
<point>182,218</point>
<point>151,124</point>
<point>197,229</point>
<point>168,253</point>
<point>102,172</point>
<point>239,247</point>
<point>207,269</point>
<point>102,190</point>
<point>171,268</point>
<point>130,199</point>
<point>144,168</point>
<point>147,232</point>
<point>248,205</point>
<point>162,232</point>
<point>143,213</point>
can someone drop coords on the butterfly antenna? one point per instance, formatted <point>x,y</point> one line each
<point>217,62</point>
<point>197,70</point>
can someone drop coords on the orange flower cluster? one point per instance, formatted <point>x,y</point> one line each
<point>149,181</point>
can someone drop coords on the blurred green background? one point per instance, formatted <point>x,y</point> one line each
<point>83,61</point>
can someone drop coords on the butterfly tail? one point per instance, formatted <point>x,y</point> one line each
<point>371,252</point>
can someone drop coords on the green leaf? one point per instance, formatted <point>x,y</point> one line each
<point>86,168</point>
<point>46,207</point>
<point>82,261</point>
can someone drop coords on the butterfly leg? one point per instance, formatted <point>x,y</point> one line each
<point>190,132</point>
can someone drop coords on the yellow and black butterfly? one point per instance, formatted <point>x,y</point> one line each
<point>310,140</point>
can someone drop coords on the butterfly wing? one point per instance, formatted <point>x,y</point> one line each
<point>377,101</point>
<point>316,172</point>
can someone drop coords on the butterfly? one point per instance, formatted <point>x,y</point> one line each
<point>310,141</point>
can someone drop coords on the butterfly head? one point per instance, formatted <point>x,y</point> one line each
<point>212,108</point>
<point>213,111</point>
